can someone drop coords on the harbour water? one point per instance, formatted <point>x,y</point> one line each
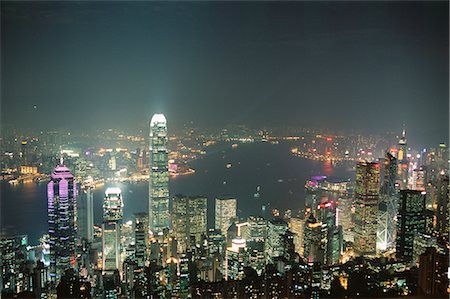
<point>224,170</point>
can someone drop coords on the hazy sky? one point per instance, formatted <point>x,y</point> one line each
<point>368,65</point>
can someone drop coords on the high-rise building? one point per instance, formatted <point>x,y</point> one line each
<point>297,226</point>
<point>410,222</point>
<point>315,240</point>
<point>159,175</point>
<point>387,207</point>
<point>141,238</point>
<point>403,165</point>
<point>112,224</point>
<point>113,204</point>
<point>85,214</point>
<point>275,239</point>
<point>226,213</point>
<point>62,196</point>
<point>366,207</point>
<point>327,214</point>
<point>433,281</point>
<point>189,220</point>
<point>443,206</point>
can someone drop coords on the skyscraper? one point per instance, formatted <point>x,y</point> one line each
<point>61,194</point>
<point>226,208</point>
<point>159,175</point>
<point>141,238</point>
<point>85,214</point>
<point>402,161</point>
<point>410,221</point>
<point>189,220</point>
<point>387,208</point>
<point>443,205</point>
<point>366,207</point>
<point>112,220</point>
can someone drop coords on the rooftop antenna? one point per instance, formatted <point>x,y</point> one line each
<point>61,157</point>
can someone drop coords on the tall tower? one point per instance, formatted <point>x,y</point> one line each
<point>387,208</point>
<point>189,220</point>
<point>411,221</point>
<point>61,195</point>
<point>85,213</point>
<point>366,206</point>
<point>112,220</point>
<point>158,182</point>
<point>402,161</point>
<point>226,208</point>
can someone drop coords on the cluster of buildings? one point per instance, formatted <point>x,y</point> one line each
<point>385,234</point>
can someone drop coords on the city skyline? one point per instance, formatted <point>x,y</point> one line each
<point>224,149</point>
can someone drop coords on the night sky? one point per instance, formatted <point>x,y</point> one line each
<point>342,65</point>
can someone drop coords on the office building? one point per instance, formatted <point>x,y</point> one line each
<point>62,196</point>
<point>159,217</point>
<point>387,207</point>
<point>410,222</point>
<point>112,225</point>
<point>85,214</point>
<point>189,220</point>
<point>140,238</point>
<point>226,213</point>
<point>366,207</point>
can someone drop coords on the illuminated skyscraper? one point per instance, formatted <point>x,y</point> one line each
<point>226,208</point>
<point>387,209</point>
<point>402,161</point>
<point>410,222</point>
<point>85,214</point>
<point>113,205</point>
<point>189,220</point>
<point>443,205</point>
<point>275,239</point>
<point>159,175</point>
<point>61,194</point>
<point>366,207</point>
<point>112,220</point>
<point>141,238</point>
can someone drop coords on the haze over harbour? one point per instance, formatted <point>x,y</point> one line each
<point>273,162</point>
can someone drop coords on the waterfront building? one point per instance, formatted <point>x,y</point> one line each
<point>85,214</point>
<point>366,207</point>
<point>159,217</point>
<point>225,212</point>
<point>62,196</point>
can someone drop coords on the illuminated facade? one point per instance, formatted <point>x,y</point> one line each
<point>62,196</point>
<point>410,222</point>
<point>403,165</point>
<point>387,209</point>
<point>366,207</point>
<point>85,214</point>
<point>189,220</point>
<point>112,221</point>
<point>141,238</point>
<point>226,209</point>
<point>159,175</point>
<point>275,239</point>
